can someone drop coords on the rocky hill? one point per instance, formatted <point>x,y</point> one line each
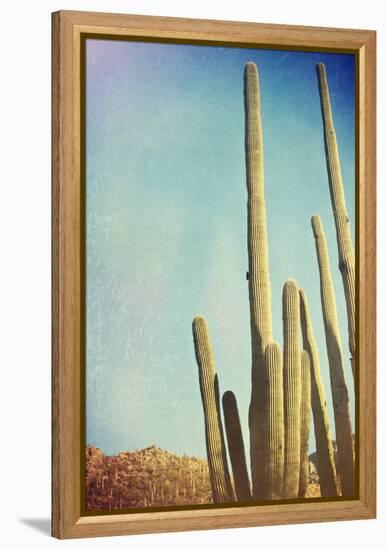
<point>153,477</point>
<point>148,477</point>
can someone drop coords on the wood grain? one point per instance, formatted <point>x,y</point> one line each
<point>68,520</point>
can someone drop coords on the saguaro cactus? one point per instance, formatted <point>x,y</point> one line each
<point>344,440</point>
<point>305,420</point>
<point>342,224</point>
<point>273,425</point>
<point>323,439</point>
<point>259,282</point>
<point>292,388</point>
<point>215,445</point>
<point>236,447</point>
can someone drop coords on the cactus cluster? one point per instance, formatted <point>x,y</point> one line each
<point>285,385</point>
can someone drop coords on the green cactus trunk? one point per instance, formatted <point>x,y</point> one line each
<point>344,440</point>
<point>305,421</point>
<point>292,388</point>
<point>342,224</point>
<point>259,282</point>
<point>324,448</point>
<point>273,426</point>
<point>218,467</point>
<point>236,447</point>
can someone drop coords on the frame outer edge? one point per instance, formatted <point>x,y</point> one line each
<point>67,521</point>
<point>55,275</point>
<point>65,283</point>
<point>368,463</point>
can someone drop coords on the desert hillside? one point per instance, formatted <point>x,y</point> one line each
<point>147,477</point>
<point>152,477</point>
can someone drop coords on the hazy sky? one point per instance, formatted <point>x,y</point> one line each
<point>167,224</point>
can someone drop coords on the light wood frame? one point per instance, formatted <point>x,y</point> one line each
<point>67,251</point>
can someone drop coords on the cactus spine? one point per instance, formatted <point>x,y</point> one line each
<point>342,224</point>
<point>344,440</point>
<point>218,467</point>
<point>273,426</point>
<point>259,282</point>
<point>305,421</point>
<point>236,447</point>
<point>323,439</point>
<point>292,388</point>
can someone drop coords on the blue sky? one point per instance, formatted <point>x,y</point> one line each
<point>166,224</point>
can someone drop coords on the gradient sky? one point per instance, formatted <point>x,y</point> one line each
<point>167,224</point>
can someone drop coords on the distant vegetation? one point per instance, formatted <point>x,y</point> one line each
<point>152,477</point>
<point>148,477</point>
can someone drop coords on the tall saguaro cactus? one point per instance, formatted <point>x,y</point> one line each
<point>305,420</point>
<point>273,425</point>
<point>215,445</point>
<point>236,447</point>
<point>259,282</point>
<point>344,440</point>
<point>342,224</point>
<point>292,388</point>
<point>323,438</point>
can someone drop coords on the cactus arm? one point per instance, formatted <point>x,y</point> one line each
<point>258,280</point>
<point>218,467</point>
<point>292,388</point>
<point>236,447</point>
<point>273,426</point>
<point>344,440</point>
<point>305,420</point>
<point>342,224</point>
<point>323,439</point>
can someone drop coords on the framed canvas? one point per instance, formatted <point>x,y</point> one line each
<point>213,246</point>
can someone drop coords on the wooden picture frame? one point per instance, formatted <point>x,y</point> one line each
<point>68,519</point>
